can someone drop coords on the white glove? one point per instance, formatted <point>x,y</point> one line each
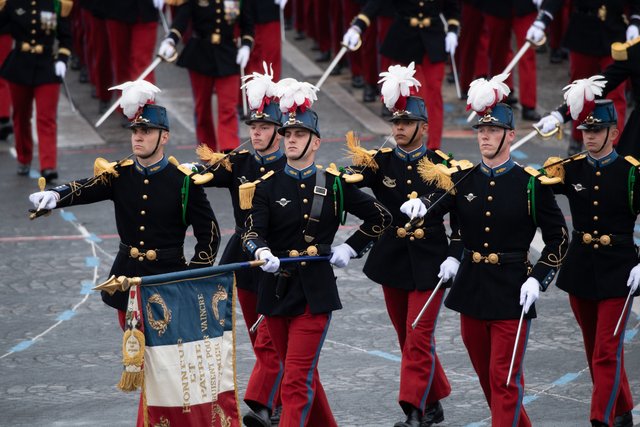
<point>281,3</point>
<point>167,48</point>
<point>272,263</point>
<point>243,56</point>
<point>158,4</point>
<point>413,208</point>
<point>61,69</point>
<point>451,42</point>
<point>529,293</point>
<point>448,269</point>
<point>632,32</point>
<point>341,254</point>
<point>537,3</point>
<point>535,33</point>
<point>191,166</point>
<point>351,37</point>
<point>44,199</point>
<point>549,122</point>
<point>634,279</point>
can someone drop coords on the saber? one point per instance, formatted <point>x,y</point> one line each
<point>245,111</point>
<point>615,332</point>
<point>335,61</point>
<point>426,304</point>
<point>66,90</point>
<point>282,38</point>
<point>254,327</point>
<point>454,69</point>
<point>515,346</point>
<point>165,24</point>
<point>144,74</point>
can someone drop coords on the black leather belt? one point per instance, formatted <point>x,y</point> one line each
<point>496,257</point>
<point>152,254</point>
<point>598,240</point>
<point>320,249</point>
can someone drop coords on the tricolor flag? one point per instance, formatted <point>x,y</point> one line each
<point>189,356</point>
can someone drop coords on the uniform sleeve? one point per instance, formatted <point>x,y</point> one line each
<point>456,247</point>
<point>63,34</point>
<point>615,74</point>
<point>368,13</point>
<point>257,223</point>
<point>247,22</point>
<point>548,11</point>
<point>96,190</point>
<point>451,9</point>
<point>205,227</point>
<point>222,178</point>
<point>554,234</point>
<point>180,21</point>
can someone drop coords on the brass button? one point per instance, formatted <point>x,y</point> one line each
<point>303,263</point>
<point>598,173</point>
<point>143,213</point>
<point>33,12</point>
<point>595,246</point>
<point>151,255</point>
<point>409,167</point>
<point>412,238</point>
<point>33,41</point>
<point>485,244</point>
<point>33,31</point>
<point>420,15</point>
<point>293,253</point>
<point>141,243</point>
<point>146,181</point>
<point>262,169</point>
<point>305,216</point>
<point>596,188</point>
<point>134,252</point>
<point>218,10</point>
<point>401,232</point>
<point>595,218</point>
<point>419,233</point>
<point>305,201</point>
<point>312,251</point>
<point>421,4</point>
<point>409,181</point>
<point>141,228</point>
<point>487,229</point>
<point>145,197</point>
<point>605,240</point>
<point>217,21</point>
<point>487,213</point>
<point>490,198</point>
<point>303,186</point>
<point>140,258</point>
<point>595,203</point>
<point>492,183</point>
<point>33,21</point>
<point>217,30</point>
<point>595,232</point>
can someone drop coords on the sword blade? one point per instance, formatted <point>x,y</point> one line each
<point>624,309</point>
<point>66,90</point>
<point>426,304</point>
<point>331,66</point>
<point>515,346</point>
<point>454,69</point>
<point>523,140</point>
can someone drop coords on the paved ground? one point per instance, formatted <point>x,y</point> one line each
<point>59,345</point>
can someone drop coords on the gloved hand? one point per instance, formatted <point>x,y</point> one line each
<point>529,293</point>
<point>158,4</point>
<point>272,263</point>
<point>632,32</point>
<point>351,37</point>
<point>167,48</point>
<point>451,42</point>
<point>549,122</point>
<point>537,3</point>
<point>193,167</point>
<point>634,279</point>
<point>243,56</point>
<point>413,208</point>
<point>44,199</point>
<point>448,269</point>
<point>535,33</point>
<point>61,69</point>
<point>341,254</point>
<point>281,3</point>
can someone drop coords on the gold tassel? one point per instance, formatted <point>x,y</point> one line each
<point>65,7</point>
<point>360,156</point>
<point>434,174</point>
<point>246,192</point>
<point>132,358</point>
<point>555,171</point>
<point>209,156</point>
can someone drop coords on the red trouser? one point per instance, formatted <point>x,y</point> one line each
<point>268,48</point>
<point>611,395</point>
<point>228,97</point>
<point>422,379</point>
<point>46,97</point>
<point>299,340</point>
<point>322,19</point>
<point>490,346</point>
<point>98,48</point>
<point>264,381</point>
<point>499,30</point>
<point>5,97</point>
<point>78,32</point>
<point>583,66</point>
<point>430,74</point>
<point>131,58</point>
<point>472,55</point>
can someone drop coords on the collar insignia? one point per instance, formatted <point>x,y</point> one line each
<point>470,197</point>
<point>20,11</point>
<point>578,187</point>
<point>283,202</point>
<point>389,182</point>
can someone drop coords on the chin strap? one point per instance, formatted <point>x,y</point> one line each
<point>504,135</point>
<point>604,142</point>
<point>415,132</point>
<point>155,149</point>
<point>306,147</point>
<point>273,138</point>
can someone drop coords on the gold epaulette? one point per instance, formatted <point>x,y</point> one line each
<point>456,166</point>
<point>350,178</point>
<point>619,49</point>
<point>634,162</point>
<point>544,179</point>
<point>103,166</point>
<point>554,168</point>
<point>210,157</point>
<point>65,7</point>
<point>435,174</point>
<point>360,156</point>
<point>445,156</point>
<point>3,3</point>
<point>175,2</point>
<point>247,190</point>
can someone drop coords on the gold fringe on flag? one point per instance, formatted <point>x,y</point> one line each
<point>555,171</point>
<point>435,174</point>
<point>360,156</point>
<point>209,156</point>
<point>132,358</point>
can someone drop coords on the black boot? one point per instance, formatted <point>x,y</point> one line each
<point>370,93</point>
<point>413,419</point>
<point>49,175</point>
<point>23,170</point>
<point>433,414</point>
<point>357,82</point>
<point>624,420</point>
<point>6,128</point>
<point>511,99</point>
<point>275,417</point>
<point>323,57</point>
<point>530,114</point>
<point>259,418</point>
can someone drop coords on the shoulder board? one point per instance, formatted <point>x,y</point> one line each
<point>634,162</point>
<point>103,166</point>
<point>247,190</point>
<point>243,152</point>
<point>445,156</point>
<point>544,180</point>
<point>3,3</point>
<point>173,161</point>
<point>385,150</point>
<point>65,7</point>
<point>347,177</point>
<point>435,173</point>
<point>175,2</point>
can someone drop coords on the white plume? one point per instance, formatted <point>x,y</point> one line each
<point>293,94</point>
<point>581,92</point>
<point>135,94</point>
<point>259,86</point>
<point>397,82</point>
<point>484,94</point>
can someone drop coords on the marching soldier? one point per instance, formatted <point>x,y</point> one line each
<point>295,212</point>
<point>213,59</point>
<point>154,204</point>
<point>602,188</point>
<point>97,51</point>
<point>499,206</point>
<point>407,263</point>
<point>418,35</point>
<point>34,70</point>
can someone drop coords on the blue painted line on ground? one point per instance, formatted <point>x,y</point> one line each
<point>66,315</point>
<point>21,346</point>
<point>519,155</point>
<point>93,238</point>
<point>92,261</point>
<point>479,424</point>
<point>86,287</point>
<point>528,399</point>
<point>33,174</point>
<point>566,378</point>
<point>385,355</point>
<point>67,216</point>
<point>448,108</point>
<point>629,334</point>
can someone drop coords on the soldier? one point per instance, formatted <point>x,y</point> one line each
<point>602,188</point>
<point>262,394</point>
<point>268,43</point>
<point>154,205</point>
<point>418,35</point>
<point>499,206</point>
<point>34,70</point>
<point>6,128</point>
<point>592,28</point>
<point>97,51</point>
<point>407,264</point>
<point>295,212</point>
<point>214,61</point>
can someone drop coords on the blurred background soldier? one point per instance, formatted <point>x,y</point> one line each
<point>34,70</point>
<point>472,55</point>
<point>96,50</point>
<point>268,38</point>
<point>6,128</point>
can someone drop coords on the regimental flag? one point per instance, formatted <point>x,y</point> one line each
<point>189,356</point>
